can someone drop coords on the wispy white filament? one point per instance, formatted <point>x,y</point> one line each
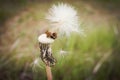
<point>62,53</point>
<point>37,63</point>
<point>64,17</point>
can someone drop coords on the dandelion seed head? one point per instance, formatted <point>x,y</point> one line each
<point>64,17</point>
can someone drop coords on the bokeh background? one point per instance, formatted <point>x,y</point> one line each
<point>94,57</point>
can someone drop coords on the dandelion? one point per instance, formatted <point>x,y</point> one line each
<point>64,19</point>
<point>45,41</point>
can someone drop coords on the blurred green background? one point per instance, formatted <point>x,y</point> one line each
<point>94,57</point>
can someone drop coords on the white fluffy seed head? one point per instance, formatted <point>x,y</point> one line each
<point>64,17</point>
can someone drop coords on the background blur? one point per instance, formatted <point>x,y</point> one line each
<point>94,57</point>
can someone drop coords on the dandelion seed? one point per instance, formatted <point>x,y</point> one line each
<point>37,63</point>
<point>63,53</point>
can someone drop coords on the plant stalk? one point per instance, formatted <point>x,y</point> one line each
<point>48,72</point>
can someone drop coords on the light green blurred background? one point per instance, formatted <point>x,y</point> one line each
<point>94,57</point>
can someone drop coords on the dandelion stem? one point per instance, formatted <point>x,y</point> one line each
<point>48,72</point>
